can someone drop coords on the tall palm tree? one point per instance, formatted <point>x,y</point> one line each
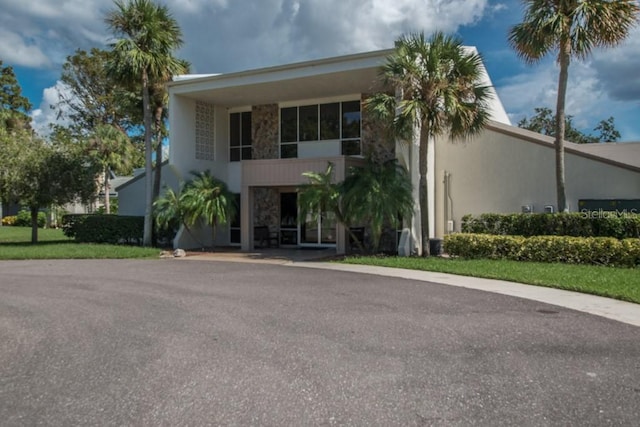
<point>207,198</point>
<point>112,149</point>
<point>572,28</point>
<point>159,100</point>
<point>148,36</point>
<point>440,88</point>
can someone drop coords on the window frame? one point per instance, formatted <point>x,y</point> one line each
<point>291,147</point>
<point>241,148</point>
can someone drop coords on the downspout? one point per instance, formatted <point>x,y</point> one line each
<point>448,202</point>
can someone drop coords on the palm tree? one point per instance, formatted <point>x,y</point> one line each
<point>113,151</point>
<point>207,198</point>
<point>378,194</point>
<point>169,211</point>
<point>321,194</point>
<point>440,88</point>
<point>149,35</point>
<point>572,28</point>
<point>159,100</point>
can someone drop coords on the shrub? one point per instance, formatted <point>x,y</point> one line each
<point>566,249</point>
<point>103,228</point>
<point>23,219</point>
<point>9,220</point>
<point>558,224</point>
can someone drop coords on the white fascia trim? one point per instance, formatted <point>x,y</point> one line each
<point>284,72</point>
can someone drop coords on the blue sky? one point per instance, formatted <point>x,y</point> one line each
<point>232,35</point>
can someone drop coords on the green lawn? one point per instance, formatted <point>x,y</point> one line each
<point>619,283</point>
<point>15,244</point>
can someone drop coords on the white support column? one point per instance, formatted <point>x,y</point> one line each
<point>431,186</point>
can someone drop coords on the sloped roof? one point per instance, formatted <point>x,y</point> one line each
<point>624,154</point>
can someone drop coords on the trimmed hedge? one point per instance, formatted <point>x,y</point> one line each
<point>572,250</point>
<point>95,228</point>
<point>577,224</point>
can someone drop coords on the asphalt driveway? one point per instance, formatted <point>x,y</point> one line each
<point>175,342</point>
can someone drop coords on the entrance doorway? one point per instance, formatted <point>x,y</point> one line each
<point>288,219</point>
<point>313,232</point>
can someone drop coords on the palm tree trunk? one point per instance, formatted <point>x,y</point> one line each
<point>107,208</point>
<point>148,224</point>
<point>564,60</point>
<point>424,196</point>
<point>157,178</point>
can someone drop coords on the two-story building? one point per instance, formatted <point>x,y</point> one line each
<point>259,130</point>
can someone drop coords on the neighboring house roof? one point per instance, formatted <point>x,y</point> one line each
<point>116,182</point>
<point>624,155</point>
<point>130,180</point>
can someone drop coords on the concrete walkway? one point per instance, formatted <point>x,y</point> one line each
<point>621,311</point>
<point>606,307</point>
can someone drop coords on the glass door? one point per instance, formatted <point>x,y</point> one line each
<point>319,231</point>
<point>288,219</point>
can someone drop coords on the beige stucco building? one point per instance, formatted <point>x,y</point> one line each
<point>259,130</point>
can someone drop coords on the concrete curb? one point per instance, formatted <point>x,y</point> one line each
<point>620,311</point>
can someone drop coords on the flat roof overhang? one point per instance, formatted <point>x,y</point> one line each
<point>308,80</point>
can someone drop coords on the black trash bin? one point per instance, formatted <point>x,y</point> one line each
<point>435,247</point>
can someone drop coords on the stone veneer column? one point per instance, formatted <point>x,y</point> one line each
<point>374,141</point>
<point>264,131</point>
<point>266,207</point>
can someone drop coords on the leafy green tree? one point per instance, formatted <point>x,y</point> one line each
<point>112,150</point>
<point>607,131</point>
<point>13,105</point>
<point>37,174</point>
<point>544,122</point>
<point>92,97</point>
<point>441,93</point>
<point>148,35</point>
<point>572,28</point>
<point>207,198</point>
<point>378,195</point>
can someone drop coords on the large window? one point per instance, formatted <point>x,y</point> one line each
<point>240,136</point>
<point>321,122</point>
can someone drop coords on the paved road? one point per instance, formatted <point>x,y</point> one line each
<point>176,342</point>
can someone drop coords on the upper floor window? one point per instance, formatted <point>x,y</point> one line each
<point>240,136</point>
<point>321,122</point>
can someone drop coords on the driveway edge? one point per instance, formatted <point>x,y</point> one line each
<point>620,311</point>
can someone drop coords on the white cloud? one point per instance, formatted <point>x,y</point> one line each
<point>618,68</point>
<point>44,115</point>
<point>16,51</point>
<point>588,99</point>
<point>225,35</point>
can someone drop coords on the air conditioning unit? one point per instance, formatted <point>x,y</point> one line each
<point>549,209</point>
<point>527,208</point>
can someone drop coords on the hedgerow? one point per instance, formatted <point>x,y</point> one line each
<point>607,251</point>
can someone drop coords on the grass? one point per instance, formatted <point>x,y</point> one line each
<point>15,244</point>
<point>618,283</point>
